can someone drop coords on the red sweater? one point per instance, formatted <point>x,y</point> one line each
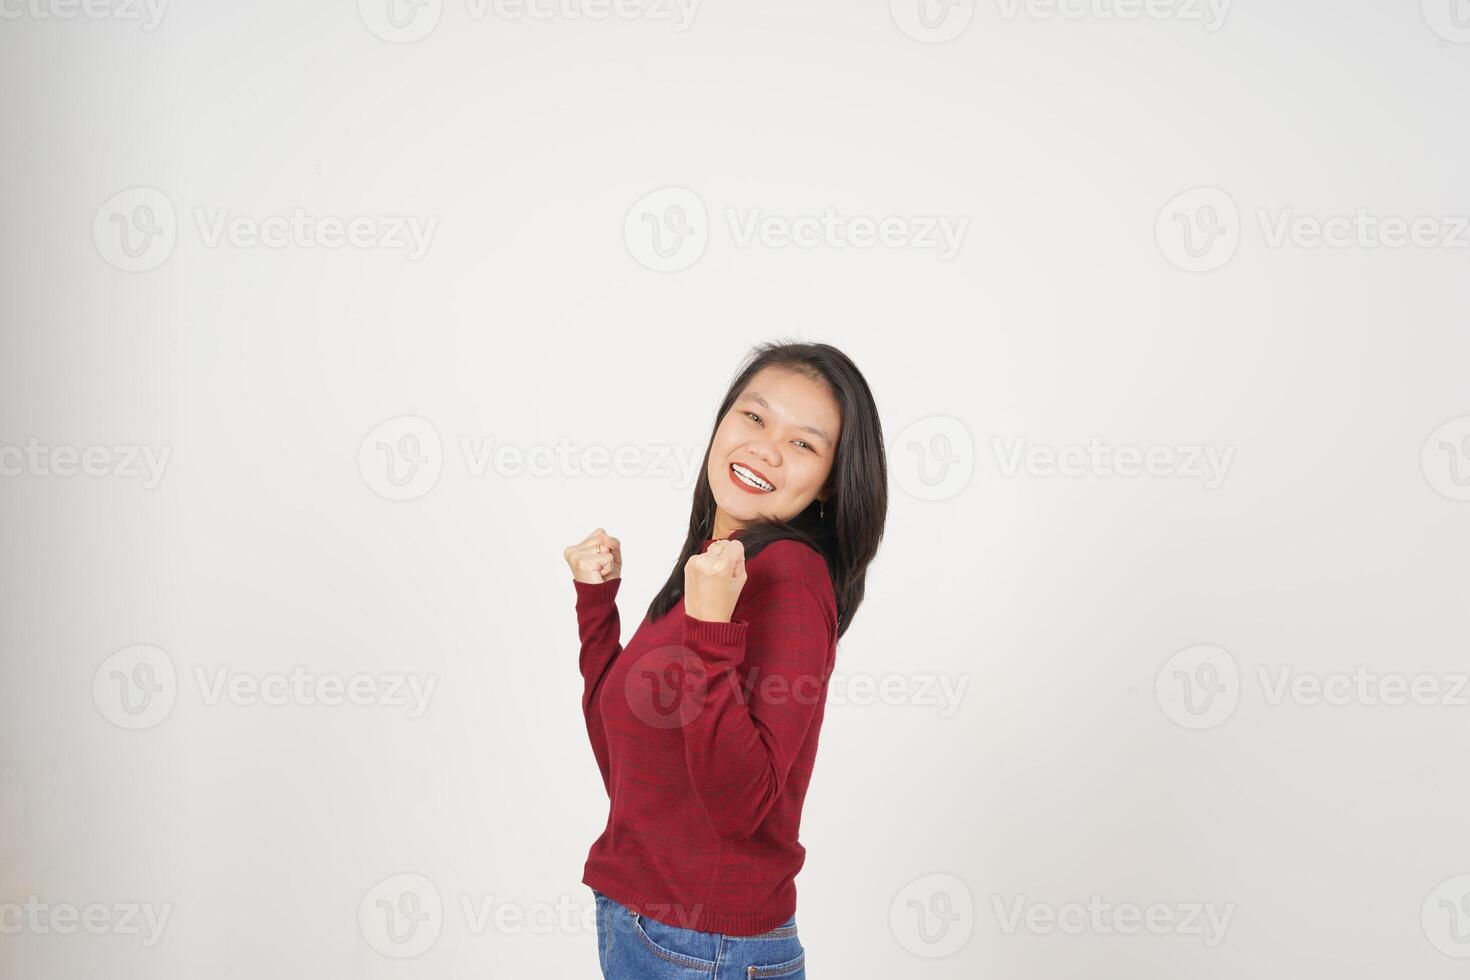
<point>706,734</point>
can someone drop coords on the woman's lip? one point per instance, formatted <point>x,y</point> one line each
<point>746,486</point>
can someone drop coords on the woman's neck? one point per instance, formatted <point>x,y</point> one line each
<point>723,526</point>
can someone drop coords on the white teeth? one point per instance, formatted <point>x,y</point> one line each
<point>748,477</point>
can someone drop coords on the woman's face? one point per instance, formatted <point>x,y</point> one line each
<point>782,430</point>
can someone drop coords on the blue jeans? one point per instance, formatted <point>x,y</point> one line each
<point>635,947</point>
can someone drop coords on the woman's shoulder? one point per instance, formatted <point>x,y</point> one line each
<point>789,560</point>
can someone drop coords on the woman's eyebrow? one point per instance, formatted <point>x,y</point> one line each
<point>804,428</point>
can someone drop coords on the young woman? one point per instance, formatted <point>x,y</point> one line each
<point>705,726</point>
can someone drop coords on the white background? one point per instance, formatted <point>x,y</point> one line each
<point>1334,540</point>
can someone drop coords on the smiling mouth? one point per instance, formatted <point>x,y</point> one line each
<point>750,478</point>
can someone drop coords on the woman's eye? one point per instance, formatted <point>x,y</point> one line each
<point>753,416</point>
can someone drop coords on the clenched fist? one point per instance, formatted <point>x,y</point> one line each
<point>713,580</point>
<point>595,559</point>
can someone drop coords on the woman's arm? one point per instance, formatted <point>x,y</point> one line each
<point>740,751</point>
<point>600,631</point>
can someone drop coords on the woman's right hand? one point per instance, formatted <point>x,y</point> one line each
<point>595,559</point>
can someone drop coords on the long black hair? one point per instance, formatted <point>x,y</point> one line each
<point>846,528</point>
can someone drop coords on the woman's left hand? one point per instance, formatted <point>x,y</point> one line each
<point>713,580</point>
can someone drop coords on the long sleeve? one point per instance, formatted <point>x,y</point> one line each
<point>738,750</point>
<point>600,633</point>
